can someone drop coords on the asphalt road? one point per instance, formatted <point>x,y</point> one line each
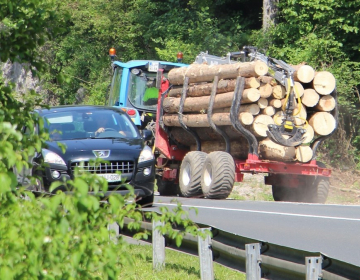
<point>333,230</point>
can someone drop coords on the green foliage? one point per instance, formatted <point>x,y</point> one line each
<point>66,236</point>
<point>138,29</point>
<point>22,29</point>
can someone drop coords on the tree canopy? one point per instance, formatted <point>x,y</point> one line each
<point>321,33</point>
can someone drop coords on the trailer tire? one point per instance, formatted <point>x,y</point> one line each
<point>319,190</point>
<point>281,193</point>
<point>190,174</point>
<point>312,190</point>
<point>218,175</point>
<point>167,188</point>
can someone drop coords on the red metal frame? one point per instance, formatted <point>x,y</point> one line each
<point>254,165</point>
<point>161,138</point>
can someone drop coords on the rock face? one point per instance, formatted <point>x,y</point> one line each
<point>24,81</point>
<point>16,73</point>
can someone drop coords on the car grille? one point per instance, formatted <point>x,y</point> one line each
<point>125,167</point>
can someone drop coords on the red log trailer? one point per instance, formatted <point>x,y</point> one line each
<point>194,173</point>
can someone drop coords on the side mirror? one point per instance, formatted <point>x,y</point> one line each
<point>146,134</point>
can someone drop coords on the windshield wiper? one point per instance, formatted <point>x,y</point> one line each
<point>108,137</point>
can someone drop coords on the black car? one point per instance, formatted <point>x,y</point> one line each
<point>91,132</point>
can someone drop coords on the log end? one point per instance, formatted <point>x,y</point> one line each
<point>324,82</point>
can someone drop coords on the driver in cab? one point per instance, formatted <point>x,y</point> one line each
<point>103,124</point>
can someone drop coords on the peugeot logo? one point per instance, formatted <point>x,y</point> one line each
<point>101,153</point>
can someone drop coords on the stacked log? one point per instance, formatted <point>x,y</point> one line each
<point>263,103</point>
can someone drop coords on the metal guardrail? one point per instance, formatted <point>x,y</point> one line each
<point>256,258</point>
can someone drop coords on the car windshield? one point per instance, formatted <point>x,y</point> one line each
<point>75,123</point>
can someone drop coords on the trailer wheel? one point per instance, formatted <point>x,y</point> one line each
<point>317,191</point>
<point>167,188</point>
<point>311,190</point>
<point>281,193</point>
<point>190,174</point>
<point>218,175</point>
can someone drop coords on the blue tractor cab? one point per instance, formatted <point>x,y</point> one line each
<point>136,85</point>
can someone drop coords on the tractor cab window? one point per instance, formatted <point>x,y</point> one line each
<point>143,93</point>
<point>115,87</point>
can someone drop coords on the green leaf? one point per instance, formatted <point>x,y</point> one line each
<point>178,240</point>
<point>81,186</point>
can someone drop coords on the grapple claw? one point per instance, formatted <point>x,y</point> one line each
<point>276,133</point>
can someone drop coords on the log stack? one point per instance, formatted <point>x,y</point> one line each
<point>262,104</point>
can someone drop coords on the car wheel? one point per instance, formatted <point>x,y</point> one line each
<point>190,174</point>
<point>146,201</point>
<point>167,188</point>
<point>218,175</point>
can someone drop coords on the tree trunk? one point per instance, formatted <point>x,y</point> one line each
<point>269,110</point>
<point>270,10</point>
<point>300,116</point>
<point>267,80</point>
<point>324,82</point>
<point>310,97</point>
<point>303,73</point>
<point>205,134</point>
<point>238,149</point>
<point>201,104</point>
<point>272,151</point>
<point>205,89</point>
<point>260,125</point>
<point>276,103</point>
<point>198,73</point>
<point>278,92</point>
<point>326,103</point>
<point>251,108</point>
<point>309,134</point>
<point>303,153</point>
<point>263,103</point>
<point>201,120</point>
<point>265,90</point>
<point>323,123</point>
<point>299,89</point>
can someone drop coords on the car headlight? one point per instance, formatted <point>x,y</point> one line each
<point>146,154</point>
<point>51,157</point>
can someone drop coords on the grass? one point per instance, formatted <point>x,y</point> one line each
<point>177,266</point>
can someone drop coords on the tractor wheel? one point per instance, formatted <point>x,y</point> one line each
<point>167,188</point>
<point>218,175</point>
<point>190,174</point>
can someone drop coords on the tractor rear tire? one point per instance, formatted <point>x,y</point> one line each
<point>167,188</point>
<point>190,174</point>
<point>218,175</point>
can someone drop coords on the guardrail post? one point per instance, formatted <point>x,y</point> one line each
<point>113,227</point>
<point>313,268</point>
<point>158,246</point>
<point>253,261</point>
<point>205,255</point>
